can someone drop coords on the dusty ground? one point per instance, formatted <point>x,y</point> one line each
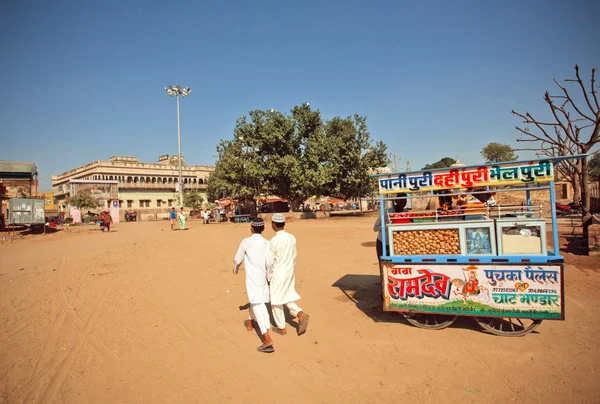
<point>146,315</point>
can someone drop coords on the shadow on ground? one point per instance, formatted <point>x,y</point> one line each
<point>576,245</point>
<point>365,292</point>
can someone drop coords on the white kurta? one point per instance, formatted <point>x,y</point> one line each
<point>283,282</point>
<point>254,251</point>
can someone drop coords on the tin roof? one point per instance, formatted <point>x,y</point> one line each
<point>17,169</point>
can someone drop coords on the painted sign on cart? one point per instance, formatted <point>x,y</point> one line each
<point>512,290</point>
<point>493,175</point>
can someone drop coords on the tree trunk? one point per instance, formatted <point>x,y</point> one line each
<point>576,187</point>
<point>295,202</point>
<point>585,198</point>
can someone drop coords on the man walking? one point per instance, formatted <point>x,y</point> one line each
<point>283,290</point>
<point>173,216</point>
<point>254,252</point>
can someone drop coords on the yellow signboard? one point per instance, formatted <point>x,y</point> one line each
<point>49,201</point>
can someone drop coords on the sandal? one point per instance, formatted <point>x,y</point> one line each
<point>266,349</point>
<point>280,331</point>
<point>303,324</point>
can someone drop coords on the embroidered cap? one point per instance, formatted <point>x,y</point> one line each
<point>258,222</point>
<point>278,218</point>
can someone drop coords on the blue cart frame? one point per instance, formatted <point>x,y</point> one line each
<point>426,184</point>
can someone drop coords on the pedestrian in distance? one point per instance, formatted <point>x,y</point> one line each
<point>173,216</point>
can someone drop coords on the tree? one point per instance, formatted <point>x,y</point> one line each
<point>84,200</point>
<point>443,163</point>
<point>498,152</point>
<point>394,162</point>
<point>573,129</point>
<point>295,156</point>
<point>193,199</point>
<point>594,167</point>
<point>353,156</point>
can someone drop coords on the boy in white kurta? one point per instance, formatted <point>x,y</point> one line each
<point>283,282</point>
<point>254,252</point>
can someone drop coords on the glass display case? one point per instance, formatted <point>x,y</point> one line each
<point>521,236</point>
<point>439,238</point>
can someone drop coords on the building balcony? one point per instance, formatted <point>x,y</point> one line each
<point>158,186</point>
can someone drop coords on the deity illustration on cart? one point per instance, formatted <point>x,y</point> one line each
<point>527,291</point>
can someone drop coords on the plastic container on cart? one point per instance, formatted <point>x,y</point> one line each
<point>423,219</point>
<point>399,218</point>
<point>451,218</point>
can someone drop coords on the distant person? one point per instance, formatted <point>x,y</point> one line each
<point>205,216</point>
<point>107,220</point>
<point>181,215</point>
<point>173,215</point>
<point>283,280</point>
<point>254,252</point>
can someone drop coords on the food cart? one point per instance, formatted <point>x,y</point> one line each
<point>485,260</point>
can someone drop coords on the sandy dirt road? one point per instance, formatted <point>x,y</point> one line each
<point>147,315</point>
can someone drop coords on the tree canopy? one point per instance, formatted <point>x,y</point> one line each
<point>573,128</point>
<point>295,156</point>
<point>498,152</point>
<point>594,167</point>
<point>84,200</point>
<point>443,163</point>
<point>193,199</point>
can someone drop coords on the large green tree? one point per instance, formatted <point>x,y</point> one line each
<point>193,199</point>
<point>443,163</point>
<point>84,200</point>
<point>498,152</point>
<point>295,156</point>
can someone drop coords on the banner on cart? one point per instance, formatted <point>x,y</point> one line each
<point>477,290</point>
<point>468,177</point>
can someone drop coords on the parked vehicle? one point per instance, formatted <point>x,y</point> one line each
<point>573,208</point>
<point>130,216</point>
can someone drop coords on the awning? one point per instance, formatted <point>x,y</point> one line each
<point>273,200</point>
<point>17,169</point>
<point>224,202</point>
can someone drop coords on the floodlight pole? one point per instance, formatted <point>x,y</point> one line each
<point>179,154</point>
<point>177,91</point>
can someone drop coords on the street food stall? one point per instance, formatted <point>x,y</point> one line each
<point>466,256</point>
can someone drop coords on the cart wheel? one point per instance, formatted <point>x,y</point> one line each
<point>429,321</point>
<point>507,326</point>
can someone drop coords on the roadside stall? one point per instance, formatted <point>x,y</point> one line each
<point>468,256</point>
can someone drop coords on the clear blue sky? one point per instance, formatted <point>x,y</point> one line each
<point>83,81</point>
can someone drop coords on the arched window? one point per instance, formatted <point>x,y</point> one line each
<point>164,180</point>
<point>129,180</point>
<point>110,178</point>
<point>136,180</point>
<point>142,180</point>
<point>170,180</point>
<point>194,181</point>
<point>159,180</point>
<point>148,180</point>
<point>154,180</point>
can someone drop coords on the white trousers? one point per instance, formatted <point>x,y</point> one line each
<point>259,313</point>
<point>279,316</point>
